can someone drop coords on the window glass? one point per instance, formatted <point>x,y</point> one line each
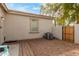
<point>34,25</point>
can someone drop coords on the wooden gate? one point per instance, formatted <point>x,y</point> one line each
<point>68,33</point>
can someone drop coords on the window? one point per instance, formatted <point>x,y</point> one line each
<point>34,25</point>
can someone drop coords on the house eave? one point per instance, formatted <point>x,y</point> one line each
<point>29,14</point>
<point>4,6</point>
<point>24,13</point>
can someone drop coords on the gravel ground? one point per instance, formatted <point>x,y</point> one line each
<point>43,47</point>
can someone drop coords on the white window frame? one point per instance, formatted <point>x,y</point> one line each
<point>35,19</point>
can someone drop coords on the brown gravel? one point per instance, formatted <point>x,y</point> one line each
<point>43,47</point>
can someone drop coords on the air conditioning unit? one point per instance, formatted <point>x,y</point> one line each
<point>48,35</point>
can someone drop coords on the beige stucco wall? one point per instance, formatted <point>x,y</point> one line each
<point>57,31</point>
<point>76,33</point>
<point>2,14</point>
<point>18,27</point>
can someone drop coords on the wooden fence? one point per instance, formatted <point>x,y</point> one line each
<point>68,33</point>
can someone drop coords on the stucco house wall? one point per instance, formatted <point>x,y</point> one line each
<point>57,31</point>
<point>2,18</point>
<point>18,27</point>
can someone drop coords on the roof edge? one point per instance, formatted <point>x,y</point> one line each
<point>24,13</point>
<point>29,14</point>
<point>4,6</point>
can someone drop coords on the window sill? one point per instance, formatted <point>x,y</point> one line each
<point>33,32</point>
